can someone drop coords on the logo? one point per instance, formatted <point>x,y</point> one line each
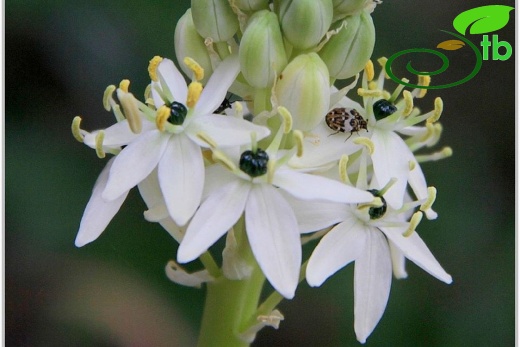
<point>479,20</point>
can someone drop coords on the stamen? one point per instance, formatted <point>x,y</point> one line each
<point>287,119</point>
<point>369,93</point>
<point>411,165</point>
<point>152,68</point>
<point>439,107</point>
<point>194,90</point>
<point>424,80</point>
<point>372,85</point>
<point>206,138</point>
<point>343,165</point>
<point>414,222</point>
<point>365,142</point>
<point>239,110</point>
<point>398,90</point>
<point>389,185</point>
<point>163,113</point>
<point>432,194</point>
<point>430,131</point>
<point>220,157</point>
<point>148,92</point>
<point>99,144</point>
<point>76,130</point>
<point>446,152</point>
<point>408,103</point>
<point>254,144</point>
<point>377,202</point>
<point>131,111</point>
<point>369,70</point>
<point>124,85</point>
<point>107,97</point>
<point>298,138</point>
<point>198,71</point>
<point>382,61</point>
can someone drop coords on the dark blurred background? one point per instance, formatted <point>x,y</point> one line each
<point>60,56</point>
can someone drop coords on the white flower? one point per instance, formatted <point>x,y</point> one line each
<point>375,236</point>
<point>174,149</point>
<point>270,222</point>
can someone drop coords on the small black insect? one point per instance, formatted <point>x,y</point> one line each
<point>344,120</point>
<point>226,103</point>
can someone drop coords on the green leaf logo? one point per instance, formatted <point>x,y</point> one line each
<point>483,19</point>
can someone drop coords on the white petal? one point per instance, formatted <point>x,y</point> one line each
<point>174,80</point>
<point>342,245</point>
<point>416,250</point>
<point>181,177</point>
<point>390,159</point>
<point>98,212</point>
<point>135,163</point>
<point>180,276</point>
<point>398,261</point>
<point>216,89</point>
<point>217,176</point>
<point>372,281</point>
<point>234,265</point>
<point>316,215</point>
<point>313,187</point>
<point>117,135</point>
<point>273,234</point>
<point>216,215</point>
<point>225,130</point>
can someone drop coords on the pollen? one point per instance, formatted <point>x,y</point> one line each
<point>163,113</point>
<point>414,222</point>
<point>194,90</point>
<point>432,194</point>
<point>408,103</point>
<point>100,137</point>
<point>424,80</point>
<point>369,70</point>
<point>107,97</point>
<point>124,85</point>
<point>365,142</point>
<point>76,130</point>
<point>439,107</point>
<point>343,165</point>
<point>287,119</point>
<point>198,71</point>
<point>298,138</point>
<point>152,68</point>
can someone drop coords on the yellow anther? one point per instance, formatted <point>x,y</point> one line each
<point>369,93</point>
<point>432,194</point>
<point>411,165</point>
<point>369,70</point>
<point>198,71</point>
<point>365,142</point>
<point>107,96</point>
<point>163,113</point>
<point>298,139</point>
<point>124,85</point>
<point>372,85</point>
<point>206,138</point>
<point>430,132</point>
<point>343,165</point>
<point>408,103</point>
<point>131,111</point>
<point>152,68</point>
<point>287,119</point>
<point>446,152</point>
<point>76,130</point>
<point>220,157</point>
<point>148,92</point>
<point>424,80</point>
<point>439,106</point>
<point>271,168</point>
<point>100,137</point>
<point>414,222</point>
<point>194,90</point>
<point>382,61</point>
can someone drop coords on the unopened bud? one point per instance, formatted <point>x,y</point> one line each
<point>214,19</point>
<point>252,5</point>
<point>343,8</point>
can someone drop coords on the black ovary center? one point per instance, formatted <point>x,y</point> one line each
<point>377,212</point>
<point>178,113</point>
<point>254,164</point>
<point>383,108</point>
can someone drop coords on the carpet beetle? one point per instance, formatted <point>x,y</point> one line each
<point>343,120</point>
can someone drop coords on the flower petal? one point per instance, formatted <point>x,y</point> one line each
<point>312,187</point>
<point>398,261</point>
<point>181,177</point>
<point>416,250</point>
<point>98,212</point>
<point>273,234</point>
<point>174,80</point>
<point>372,281</point>
<point>224,130</point>
<point>134,163</point>
<point>177,274</point>
<point>216,215</point>
<point>218,84</point>
<point>116,135</point>
<point>342,245</point>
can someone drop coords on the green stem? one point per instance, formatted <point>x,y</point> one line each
<point>222,49</point>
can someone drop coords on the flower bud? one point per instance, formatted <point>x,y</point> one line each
<point>214,19</point>
<point>261,52</point>
<point>347,52</point>
<point>343,8</point>
<point>188,43</point>
<point>304,22</point>
<point>252,5</point>
<point>303,88</point>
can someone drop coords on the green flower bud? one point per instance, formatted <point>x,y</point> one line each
<point>261,52</point>
<point>343,8</point>
<point>188,43</point>
<point>303,88</point>
<point>304,22</point>
<point>214,19</point>
<point>252,5</point>
<point>347,52</point>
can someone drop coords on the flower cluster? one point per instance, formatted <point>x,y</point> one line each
<point>294,156</point>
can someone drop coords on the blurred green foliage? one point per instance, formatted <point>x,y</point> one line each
<point>61,55</point>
